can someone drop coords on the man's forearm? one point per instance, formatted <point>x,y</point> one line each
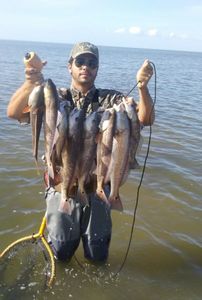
<point>19,101</point>
<point>146,112</point>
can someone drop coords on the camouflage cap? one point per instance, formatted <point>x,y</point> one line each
<point>82,48</point>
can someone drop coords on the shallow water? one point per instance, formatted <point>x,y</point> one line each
<point>165,257</point>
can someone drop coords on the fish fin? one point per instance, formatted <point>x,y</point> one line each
<point>140,144</point>
<point>134,164</point>
<point>26,109</point>
<point>116,203</point>
<point>65,206</point>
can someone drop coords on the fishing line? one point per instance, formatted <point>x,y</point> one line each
<point>143,171</point>
<point>132,89</point>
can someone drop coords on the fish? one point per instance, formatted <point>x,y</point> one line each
<point>51,101</point>
<point>88,155</point>
<point>67,181</point>
<point>118,167</point>
<point>36,107</point>
<point>70,156</point>
<point>61,131</point>
<point>135,136</point>
<point>104,150</point>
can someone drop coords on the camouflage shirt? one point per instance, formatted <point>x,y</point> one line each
<point>94,99</point>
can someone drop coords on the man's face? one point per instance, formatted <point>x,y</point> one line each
<point>84,69</point>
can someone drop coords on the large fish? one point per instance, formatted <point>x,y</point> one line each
<point>88,155</point>
<point>104,150</point>
<point>36,108</point>
<point>67,180</point>
<point>61,131</point>
<point>130,107</point>
<point>51,101</point>
<point>70,156</point>
<point>118,167</point>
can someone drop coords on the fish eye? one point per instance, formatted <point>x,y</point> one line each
<point>27,55</point>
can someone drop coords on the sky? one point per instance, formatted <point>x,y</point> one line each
<point>151,24</point>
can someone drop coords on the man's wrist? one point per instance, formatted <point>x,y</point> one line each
<point>142,86</point>
<point>35,77</point>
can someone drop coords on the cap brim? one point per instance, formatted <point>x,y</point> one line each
<point>85,52</point>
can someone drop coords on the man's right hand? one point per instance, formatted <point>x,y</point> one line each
<point>33,75</point>
<point>33,67</point>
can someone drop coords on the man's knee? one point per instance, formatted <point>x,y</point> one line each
<point>96,227</point>
<point>63,229</point>
<point>96,250</point>
<point>64,250</point>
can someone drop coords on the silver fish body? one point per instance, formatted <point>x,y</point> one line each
<point>61,131</point>
<point>66,184</point>
<point>104,150</point>
<point>36,106</point>
<point>70,156</point>
<point>118,167</point>
<point>88,155</point>
<point>51,101</point>
<point>130,107</point>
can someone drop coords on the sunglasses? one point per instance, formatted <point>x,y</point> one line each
<point>91,62</point>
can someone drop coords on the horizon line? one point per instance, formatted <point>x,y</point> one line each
<point>112,46</point>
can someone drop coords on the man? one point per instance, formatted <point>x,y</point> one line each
<point>91,223</point>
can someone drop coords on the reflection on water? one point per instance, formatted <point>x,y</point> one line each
<point>165,257</point>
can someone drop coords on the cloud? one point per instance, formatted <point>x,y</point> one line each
<point>120,30</point>
<point>135,30</point>
<point>152,32</point>
<point>182,36</point>
<point>132,30</point>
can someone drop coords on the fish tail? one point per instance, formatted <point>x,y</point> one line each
<point>133,164</point>
<point>37,167</point>
<point>116,203</point>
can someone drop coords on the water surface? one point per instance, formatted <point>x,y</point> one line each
<point>165,257</point>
